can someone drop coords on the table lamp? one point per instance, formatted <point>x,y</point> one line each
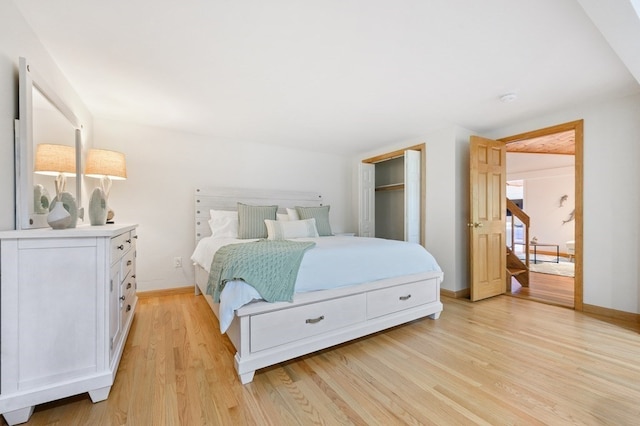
<point>107,166</point>
<point>59,161</point>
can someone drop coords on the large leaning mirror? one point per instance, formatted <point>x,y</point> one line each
<point>48,153</point>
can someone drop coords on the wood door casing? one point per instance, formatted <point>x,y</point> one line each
<point>578,128</point>
<point>487,224</point>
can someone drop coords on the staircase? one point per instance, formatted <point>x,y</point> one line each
<point>516,268</point>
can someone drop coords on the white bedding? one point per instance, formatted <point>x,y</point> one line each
<point>334,262</point>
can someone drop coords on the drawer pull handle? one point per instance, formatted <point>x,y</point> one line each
<point>128,308</point>
<point>128,241</point>
<point>129,263</point>
<point>314,320</point>
<point>133,276</point>
<point>120,247</point>
<point>128,286</point>
<point>122,298</point>
<point>135,237</point>
<point>403,298</point>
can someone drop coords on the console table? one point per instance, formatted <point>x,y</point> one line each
<point>535,251</point>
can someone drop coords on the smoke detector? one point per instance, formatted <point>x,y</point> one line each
<point>508,97</point>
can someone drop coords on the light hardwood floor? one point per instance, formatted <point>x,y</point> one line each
<point>499,361</point>
<point>546,288</point>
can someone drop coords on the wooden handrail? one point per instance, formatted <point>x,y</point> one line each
<point>524,218</point>
<point>517,212</point>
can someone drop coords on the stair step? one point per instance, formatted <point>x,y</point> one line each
<point>514,271</point>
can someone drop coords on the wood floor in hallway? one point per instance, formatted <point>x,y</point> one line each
<point>546,288</point>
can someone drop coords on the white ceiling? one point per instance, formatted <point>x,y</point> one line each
<point>332,75</point>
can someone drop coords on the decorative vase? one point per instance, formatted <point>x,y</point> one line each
<point>98,207</point>
<point>40,199</point>
<point>69,203</point>
<point>58,217</point>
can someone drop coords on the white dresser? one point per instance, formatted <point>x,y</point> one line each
<point>66,305</point>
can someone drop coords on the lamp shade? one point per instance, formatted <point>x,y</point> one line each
<point>54,160</point>
<point>104,163</point>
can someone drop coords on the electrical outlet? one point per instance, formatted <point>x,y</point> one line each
<point>177,262</point>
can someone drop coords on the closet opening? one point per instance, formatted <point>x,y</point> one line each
<point>392,195</point>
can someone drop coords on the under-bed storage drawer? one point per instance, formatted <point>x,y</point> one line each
<point>287,325</point>
<point>394,299</point>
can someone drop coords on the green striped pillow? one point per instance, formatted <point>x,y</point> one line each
<point>251,220</point>
<point>320,214</point>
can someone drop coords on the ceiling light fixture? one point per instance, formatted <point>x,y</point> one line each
<point>508,97</point>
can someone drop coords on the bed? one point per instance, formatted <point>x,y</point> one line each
<point>320,316</point>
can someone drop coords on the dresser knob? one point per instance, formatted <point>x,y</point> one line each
<point>120,247</point>
<point>129,263</point>
<point>135,237</point>
<point>128,241</point>
<point>122,298</point>
<point>128,308</point>
<point>128,286</point>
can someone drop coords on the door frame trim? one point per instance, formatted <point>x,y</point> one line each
<point>578,128</point>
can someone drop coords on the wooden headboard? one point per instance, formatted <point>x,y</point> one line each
<point>207,198</point>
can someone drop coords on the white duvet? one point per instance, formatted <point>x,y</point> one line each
<point>334,262</point>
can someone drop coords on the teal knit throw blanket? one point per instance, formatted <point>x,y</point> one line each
<point>270,266</point>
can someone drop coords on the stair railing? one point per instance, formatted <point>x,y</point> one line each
<point>524,218</point>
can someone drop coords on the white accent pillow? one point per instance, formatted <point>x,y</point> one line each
<point>223,223</point>
<point>285,230</point>
<point>282,216</point>
<point>293,214</point>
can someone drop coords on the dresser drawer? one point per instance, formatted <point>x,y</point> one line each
<point>394,299</point>
<point>287,325</point>
<point>134,238</point>
<point>119,246</point>
<point>129,286</point>
<point>128,264</point>
<point>126,308</point>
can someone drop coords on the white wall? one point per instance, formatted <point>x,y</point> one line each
<point>164,167</point>
<point>447,209</point>
<point>611,216</point>
<point>17,39</point>
<point>542,204</point>
<point>546,177</point>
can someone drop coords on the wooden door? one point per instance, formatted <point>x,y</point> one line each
<point>487,224</point>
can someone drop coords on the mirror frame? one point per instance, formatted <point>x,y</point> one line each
<point>26,218</point>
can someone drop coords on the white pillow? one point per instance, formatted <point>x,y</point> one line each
<point>218,214</point>
<point>284,230</point>
<point>223,224</point>
<point>282,216</point>
<point>293,214</point>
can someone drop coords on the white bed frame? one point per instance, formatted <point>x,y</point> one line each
<point>268,333</point>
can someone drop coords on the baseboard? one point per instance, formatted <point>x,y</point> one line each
<point>611,313</point>
<point>460,294</point>
<point>166,292</point>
